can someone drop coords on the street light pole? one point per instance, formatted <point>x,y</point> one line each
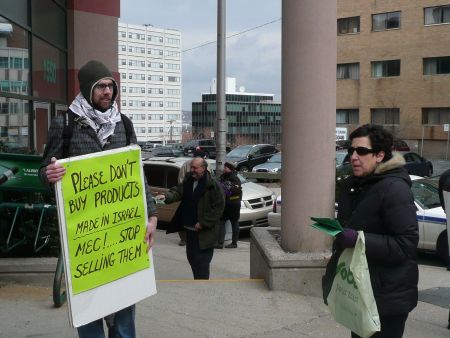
<point>220,89</point>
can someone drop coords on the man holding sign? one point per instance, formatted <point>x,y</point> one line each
<point>95,125</point>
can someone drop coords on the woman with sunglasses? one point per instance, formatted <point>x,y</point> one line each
<point>377,200</point>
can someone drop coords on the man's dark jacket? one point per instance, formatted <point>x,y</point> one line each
<point>382,205</point>
<point>209,209</point>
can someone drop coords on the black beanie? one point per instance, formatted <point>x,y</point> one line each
<point>90,74</point>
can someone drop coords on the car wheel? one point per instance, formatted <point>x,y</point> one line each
<point>442,248</point>
<point>429,172</point>
<point>244,169</point>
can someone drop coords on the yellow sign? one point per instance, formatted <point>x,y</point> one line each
<point>104,207</point>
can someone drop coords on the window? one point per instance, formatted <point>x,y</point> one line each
<point>175,66</point>
<point>435,116</point>
<point>172,92</point>
<point>173,41</point>
<point>437,15</point>
<point>173,79</point>
<point>386,68</point>
<point>347,71</point>
<point>348,25</point>
<point>172,53</point>
<point>347,116</point>
<point>385,116</point>
<point>384,21</point>
<point>438,65</point>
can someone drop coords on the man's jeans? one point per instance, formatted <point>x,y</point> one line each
<point>123,326</point>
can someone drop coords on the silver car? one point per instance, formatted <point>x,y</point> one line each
<point>272,165</point>
<point>163,173</point>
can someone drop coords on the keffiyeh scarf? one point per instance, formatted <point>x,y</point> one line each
<point>103,123</point>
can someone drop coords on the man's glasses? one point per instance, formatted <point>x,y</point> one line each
<point>361,151</point>
<point>103,86</point>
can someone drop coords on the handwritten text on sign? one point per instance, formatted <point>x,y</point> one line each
<point>105,217</point>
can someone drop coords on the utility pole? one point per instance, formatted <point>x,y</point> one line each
<point>220,88</point>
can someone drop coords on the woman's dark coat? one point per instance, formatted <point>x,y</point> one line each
<point>382,205</point>
<point>232,188</point>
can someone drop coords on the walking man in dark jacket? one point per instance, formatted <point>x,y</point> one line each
<point>377,200</point>
<point>201,206</point>
<point>231,185</point>
<point>97,127</point>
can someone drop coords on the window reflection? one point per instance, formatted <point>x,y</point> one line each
<point>14,58</point>
<point>14,125</point>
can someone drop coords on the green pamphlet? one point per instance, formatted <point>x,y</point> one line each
<point>330,226</point>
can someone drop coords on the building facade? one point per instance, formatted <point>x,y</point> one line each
<point>394,69</point>
<point>43,44</point>
<point>150,72</point>
<point>251,117</point>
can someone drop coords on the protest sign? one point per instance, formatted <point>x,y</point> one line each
<point>103,218</point>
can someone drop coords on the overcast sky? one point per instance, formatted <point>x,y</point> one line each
<point>253,58</point>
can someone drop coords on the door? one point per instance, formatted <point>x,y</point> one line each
<point>42,116</point>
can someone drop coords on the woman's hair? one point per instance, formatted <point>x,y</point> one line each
<point>380,138</point>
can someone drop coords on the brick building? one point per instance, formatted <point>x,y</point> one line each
<point>394,69</point>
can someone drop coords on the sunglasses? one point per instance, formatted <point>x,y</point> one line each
<point>361,151</point>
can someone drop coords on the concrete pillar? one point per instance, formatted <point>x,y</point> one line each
<point>309,120</point>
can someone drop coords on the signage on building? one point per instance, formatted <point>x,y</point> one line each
<point>341,134</point>
<point>49,71</point>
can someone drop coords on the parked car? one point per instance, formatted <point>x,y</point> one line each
<point>274,216</point>
<point>417,165</point>
<point>163,173</point>
<point>430,216</point>
<point>272,165</point>
<point>245,157</point>
<point>164,151</point>
<point>398,145</point>
<point>207,145</point>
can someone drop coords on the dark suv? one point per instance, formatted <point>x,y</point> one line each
<point>207,145</point>
<point>247,156</point>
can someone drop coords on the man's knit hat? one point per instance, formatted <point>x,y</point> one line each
<point>90,74</point>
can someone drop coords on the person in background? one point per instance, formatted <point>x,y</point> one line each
<point>444,185</point>
<point>231,185</point>
<point>201,206</point>
<point>99,127</point>
<point>199,152</point>
<point>377,200</point>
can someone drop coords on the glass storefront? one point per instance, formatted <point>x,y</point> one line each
<point>33,71</point>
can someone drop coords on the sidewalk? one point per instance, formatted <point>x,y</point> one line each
<point>229,305</point>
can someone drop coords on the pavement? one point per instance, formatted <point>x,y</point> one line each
<point>229,305</point>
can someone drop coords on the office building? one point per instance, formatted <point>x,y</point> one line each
<point>251,117</point>
<point>393,69</point>
<point>150,74</point>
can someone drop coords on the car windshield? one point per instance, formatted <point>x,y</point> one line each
<point>425,194</point>
<point>240,151</point>
<point>275,158</point>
